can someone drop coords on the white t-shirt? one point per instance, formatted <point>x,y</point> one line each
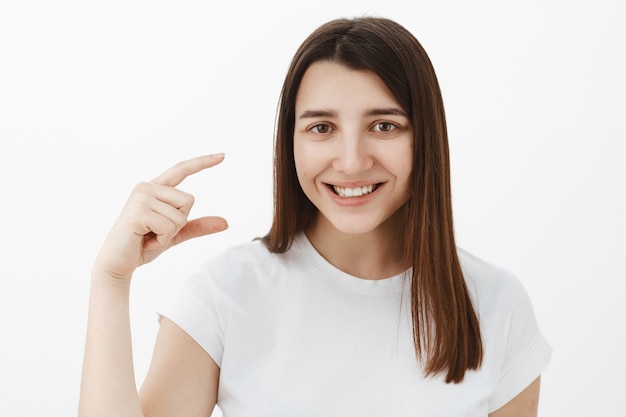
<point>295,336</point>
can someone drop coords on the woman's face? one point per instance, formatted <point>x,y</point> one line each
<point>352,147</point>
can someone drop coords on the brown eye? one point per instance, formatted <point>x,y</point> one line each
<point>384,127</point>
<point>321,128</point>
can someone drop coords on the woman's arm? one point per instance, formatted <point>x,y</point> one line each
<point>108,384</point>
<point>153,220</point>
<point>525,404</point>
<point>183,370</point>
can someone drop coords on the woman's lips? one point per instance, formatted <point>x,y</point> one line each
<point>350,192</point>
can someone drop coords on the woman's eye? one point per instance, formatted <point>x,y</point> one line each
<point>321,128</point>
<point>384,127</point>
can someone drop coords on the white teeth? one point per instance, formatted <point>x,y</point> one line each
<point>353,192</point>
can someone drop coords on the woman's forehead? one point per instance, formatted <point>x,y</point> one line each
<point>330,87</point>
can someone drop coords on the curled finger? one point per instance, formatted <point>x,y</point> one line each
<point>158,231</point>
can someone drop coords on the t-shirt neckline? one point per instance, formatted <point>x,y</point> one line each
<point>384,285</point>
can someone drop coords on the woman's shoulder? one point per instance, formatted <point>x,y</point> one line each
<point>249,254</point>
<point>248,264</point>
<point>487,280</point>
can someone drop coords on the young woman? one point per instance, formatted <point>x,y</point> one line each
<point>357,302</point>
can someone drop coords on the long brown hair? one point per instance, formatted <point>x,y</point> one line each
<point>446,332</point>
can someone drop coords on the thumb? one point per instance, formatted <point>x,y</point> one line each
<point>200,227</point>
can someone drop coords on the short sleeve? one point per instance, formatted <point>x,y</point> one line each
<point>193,309</point>
<point>526,351</point>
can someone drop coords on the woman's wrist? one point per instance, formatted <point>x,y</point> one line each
<point>106,281</point>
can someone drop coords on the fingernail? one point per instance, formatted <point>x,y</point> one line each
<point>217,155</point>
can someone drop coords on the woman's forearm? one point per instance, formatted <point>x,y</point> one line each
<point>108,385</point>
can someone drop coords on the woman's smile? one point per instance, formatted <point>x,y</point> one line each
<point>349,192</point>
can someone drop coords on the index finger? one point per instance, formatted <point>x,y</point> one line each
<point>176,174</point>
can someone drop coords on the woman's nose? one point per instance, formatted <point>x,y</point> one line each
<point>352,154</point>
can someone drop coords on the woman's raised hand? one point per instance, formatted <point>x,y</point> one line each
<point>154,219</point>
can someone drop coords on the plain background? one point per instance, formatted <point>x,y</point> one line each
<point>96,96</point>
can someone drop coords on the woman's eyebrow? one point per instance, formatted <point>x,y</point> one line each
<point>389,111</point>
<point>311,114</point>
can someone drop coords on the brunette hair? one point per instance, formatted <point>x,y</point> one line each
<point>446,331</point>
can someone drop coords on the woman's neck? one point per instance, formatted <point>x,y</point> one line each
<point>372,255</point>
